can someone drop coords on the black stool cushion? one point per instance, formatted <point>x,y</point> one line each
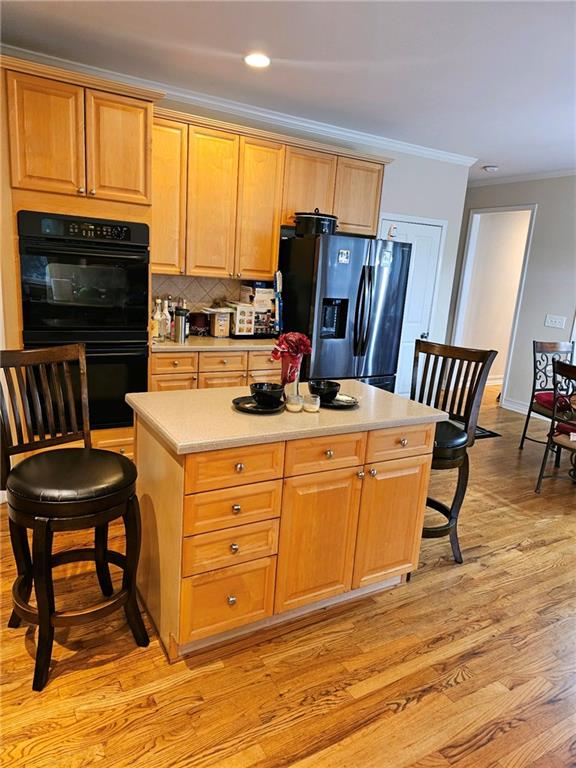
<point>450,441</point>
<point>71,476</point>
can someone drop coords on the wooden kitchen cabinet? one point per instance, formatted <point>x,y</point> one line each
<point>229,379</point>
<point>309,181</point>
<point>169,179</point>
<point>212,201</point>
<point>391,519</point>
<point>317,537</point>
<point>260,185</point>
<point>357,195</point>
<point>168,382</point>
<point>118,147</point>
<point>46,134</point>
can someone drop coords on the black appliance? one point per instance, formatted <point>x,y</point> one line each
<point>86,280</point>
<point>315,223</point>
<point>347,294</point>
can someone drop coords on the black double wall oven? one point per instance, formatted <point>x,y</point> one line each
<point>86,280</point>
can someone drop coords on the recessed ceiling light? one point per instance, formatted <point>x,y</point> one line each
<point>491,168</point>
<point>258,60</point>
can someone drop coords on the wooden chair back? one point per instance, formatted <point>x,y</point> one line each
<point>564,382</point>
<point>38,407</point>
<point>544,354</point>
<point>451,379</point>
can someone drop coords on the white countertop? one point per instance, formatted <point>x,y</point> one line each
<point>210,344</point>
<point>194,420</point>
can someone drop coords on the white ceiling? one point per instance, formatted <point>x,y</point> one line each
<point>495,80</point>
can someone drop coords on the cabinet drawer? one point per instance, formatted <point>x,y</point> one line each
<point>263,361</point>
<point>319,453</point>
<point>160,362</point>
<point>223,361</point>
<point>228,467</point>
<point>397,442</point>
<point>220,600</point>
<point>230,379</point>
<point>166,382</point>
<point>229,546</point>
<point>119,440</point>
<point>274,377</point>
<point>215,510</point>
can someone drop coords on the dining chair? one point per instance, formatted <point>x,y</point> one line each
<point>563,421</point>
<point>452,379</point>
<point>44,403</point>
<point>542,399</point>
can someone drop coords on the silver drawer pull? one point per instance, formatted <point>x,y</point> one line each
<point>92,191</point>
<point>329,453</point>
<point>234,548</point>
<point>403,442</point>
<point>224,362</point>
<point>122,451</point>
<point>271,360</point>
<point>81,190</point>
<point>361,474</point>
<point>239,467</point>
<point>231,600</point>
<point>373,472</point>
<point>236,508</point>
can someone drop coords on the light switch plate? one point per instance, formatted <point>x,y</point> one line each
<point>555,321</point>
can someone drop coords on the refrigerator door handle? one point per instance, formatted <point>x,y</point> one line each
<point>359,312</point>
<point>370,290</point>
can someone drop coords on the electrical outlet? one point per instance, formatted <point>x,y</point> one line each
<point>555,321</point>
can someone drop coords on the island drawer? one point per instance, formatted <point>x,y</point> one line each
<point>227,467</point>
<point>214,510</point>
<point>263,361</point>
<point>229,546</point>
<point>319,453</point>
<point>398,442</point>
<point>222,361</point>
<point>229,379</point>
<point>230,597</point>
<point>161,362</point>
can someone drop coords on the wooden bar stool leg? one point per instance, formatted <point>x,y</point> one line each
<point>462,484</point>
<point>102,569</point>
<point>44,589</point>
<point>21,549</point>
<point>133,534</point>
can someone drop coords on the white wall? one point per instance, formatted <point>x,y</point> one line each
<point>550,282</point>
<point>495,256</point>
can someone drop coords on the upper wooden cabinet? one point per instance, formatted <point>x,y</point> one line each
<point>169,174</point>
<point>118,143</point>
<point>357,195</point>
<point>212,197</point>
<point>46,134</point>
<point>76,141</point>
<point>309,180</point>
<point>259,207</point>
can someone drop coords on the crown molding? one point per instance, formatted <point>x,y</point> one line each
<point>521,177</point>
<point>246,111</point>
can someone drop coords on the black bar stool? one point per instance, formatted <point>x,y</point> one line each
<point>452,379</point>
<point>67,489</point>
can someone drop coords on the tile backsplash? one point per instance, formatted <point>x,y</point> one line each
<point>198,291</point>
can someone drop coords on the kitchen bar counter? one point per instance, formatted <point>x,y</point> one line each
<point>210,344</point>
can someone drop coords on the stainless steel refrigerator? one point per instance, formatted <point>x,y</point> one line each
<point>347,294</point>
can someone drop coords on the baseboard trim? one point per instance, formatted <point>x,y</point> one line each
<point>519,407</point>
<point>493,380</point>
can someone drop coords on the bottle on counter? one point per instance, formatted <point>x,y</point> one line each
<point>157,322</point>
<point>166,321</point>
<point>171,308</point>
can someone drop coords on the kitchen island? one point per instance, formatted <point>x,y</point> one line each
<point>253,521</point>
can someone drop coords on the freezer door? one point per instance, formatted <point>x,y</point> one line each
<point>341,291</point>
<point>387,281</point>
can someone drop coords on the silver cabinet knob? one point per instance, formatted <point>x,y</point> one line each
<point>329,453</point>
<point>224,361</point>
<point>92,192</point>
<point>373,472</point>
<point>175,363</point>
<point>361,474</point>
<point>404,442</point>
<point>236,509</point>
<point>81,190</point>
<point>234,548</point>
<point>231,600</point>
<point>122,451</point>
<point>231,274</point>
<point>238,274</point>
<point>239,467</point>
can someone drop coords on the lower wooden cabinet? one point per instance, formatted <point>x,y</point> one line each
<point>167,382</point>
<point>391,518</point>
<point>317,537</point>
<point>230,379</point>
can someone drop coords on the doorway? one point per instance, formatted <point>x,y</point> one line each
<point>491,283</point>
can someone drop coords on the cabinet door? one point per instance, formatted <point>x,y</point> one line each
<point>357,196</point>
<point>169,173</point>
<point>212,194</point>
<point>259,208</point>
<point>166,382</point>
<point>391,519</point>
<point>46,134</point>
<point>118,147</point>
<point>309,181</point>
<point>317,537</point>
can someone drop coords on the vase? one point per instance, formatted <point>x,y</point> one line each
<point>291,373</point>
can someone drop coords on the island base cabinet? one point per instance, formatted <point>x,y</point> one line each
<point>391,519</point>
<point>317,537</point>
<point>220,600</point>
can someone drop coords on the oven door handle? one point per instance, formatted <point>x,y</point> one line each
<point>82,252</point>
<point>126,353</point>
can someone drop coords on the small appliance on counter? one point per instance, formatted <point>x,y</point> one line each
<point>219,321</point>
<point>241,319</point>
<point>262,298</point>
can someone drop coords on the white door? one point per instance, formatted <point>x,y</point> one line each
<point>425,239</point>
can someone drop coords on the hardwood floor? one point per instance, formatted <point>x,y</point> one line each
<point>469,665</point>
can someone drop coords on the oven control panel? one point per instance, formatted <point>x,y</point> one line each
<point>34,224</point>
<point>98,231</point>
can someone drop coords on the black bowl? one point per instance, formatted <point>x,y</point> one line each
<point>267,394</point>
<point>327,390</point>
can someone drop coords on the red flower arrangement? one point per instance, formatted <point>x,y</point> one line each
<point>290,348</point>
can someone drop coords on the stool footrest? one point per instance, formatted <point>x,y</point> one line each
<point>435,532</point>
